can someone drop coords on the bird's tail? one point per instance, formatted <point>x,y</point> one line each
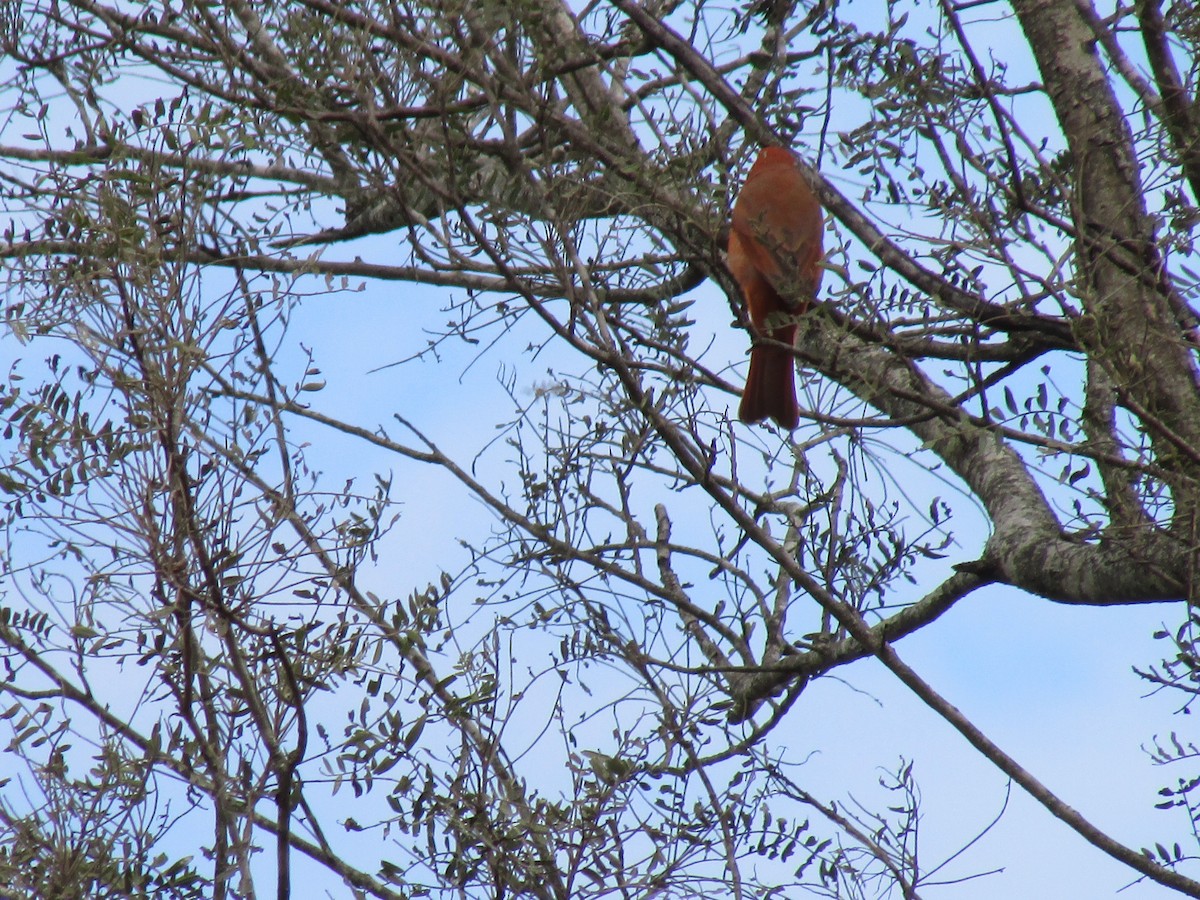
<point>771,385</point>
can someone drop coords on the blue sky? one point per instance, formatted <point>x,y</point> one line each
<point>1050,683</point>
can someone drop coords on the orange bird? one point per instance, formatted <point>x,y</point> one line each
<point>774,247</point>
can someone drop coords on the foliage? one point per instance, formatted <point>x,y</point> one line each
<point>428,633</point>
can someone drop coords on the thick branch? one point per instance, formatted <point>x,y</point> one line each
<point>1128,324</point>
<point>768,680</point>
<point>1027,547</point>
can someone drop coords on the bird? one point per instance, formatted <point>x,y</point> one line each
<point>774,251</point>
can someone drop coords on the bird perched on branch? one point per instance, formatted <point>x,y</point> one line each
<point>775,253</point>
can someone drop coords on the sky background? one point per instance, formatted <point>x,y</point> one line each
<point>1051,684</point>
